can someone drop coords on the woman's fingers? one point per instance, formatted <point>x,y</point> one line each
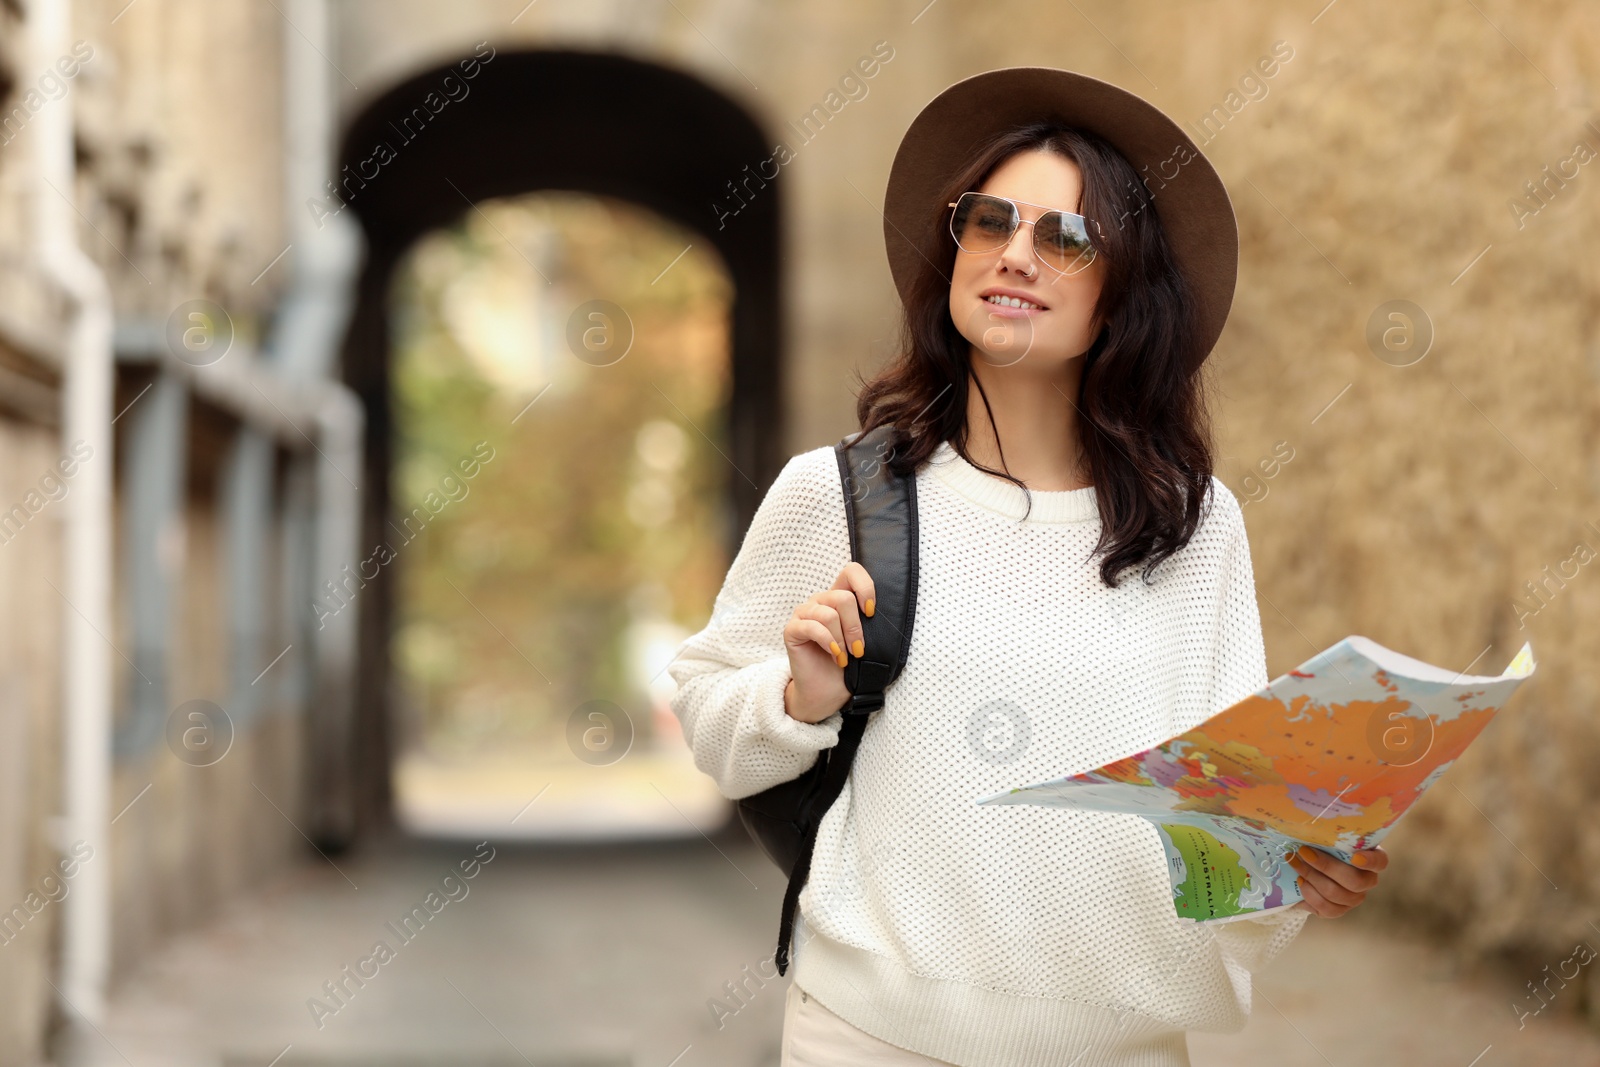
<point>1353,879</point>
<point>802,630</point>
<point>1318,904</point>
<point>1331,886</point>
<point>1371,859</point>
<point>855,578</point>
<point>843,601</point>
<point>829,618</point>
<point>1326,886</point>
<point>832,619</point>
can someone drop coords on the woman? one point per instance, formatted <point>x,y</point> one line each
<point>1085,592</point>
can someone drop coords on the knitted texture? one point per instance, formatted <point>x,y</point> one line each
<point>993,936</point>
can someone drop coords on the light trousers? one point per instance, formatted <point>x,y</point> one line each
<point>813,1036</point>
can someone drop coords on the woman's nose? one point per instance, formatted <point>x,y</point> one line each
<point>1018,254</point>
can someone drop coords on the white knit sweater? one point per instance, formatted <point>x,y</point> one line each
<point>994,936</point>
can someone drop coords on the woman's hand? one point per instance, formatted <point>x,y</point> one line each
<point>819,636</point>
<point>1331,886</point>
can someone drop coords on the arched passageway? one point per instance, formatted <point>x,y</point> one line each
<point>496,125</point>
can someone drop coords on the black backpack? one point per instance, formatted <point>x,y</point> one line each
<point>881,511</point>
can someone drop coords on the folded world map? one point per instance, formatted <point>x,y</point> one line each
<point>1330,755</point>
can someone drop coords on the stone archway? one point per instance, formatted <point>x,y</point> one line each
<point>495,125</point>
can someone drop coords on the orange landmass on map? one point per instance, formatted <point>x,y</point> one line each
<point>1329,750</point>
<point>1129,771</point>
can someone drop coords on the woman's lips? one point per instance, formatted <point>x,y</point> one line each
<point>1006,311</point>
<point>1012,303</point>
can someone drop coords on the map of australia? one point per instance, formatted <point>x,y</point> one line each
<point>1330,754</point>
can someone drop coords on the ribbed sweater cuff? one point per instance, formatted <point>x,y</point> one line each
<point>975,1027</point>
<point>770,679</point>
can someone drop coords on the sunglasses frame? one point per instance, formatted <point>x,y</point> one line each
<point>1017,222</point>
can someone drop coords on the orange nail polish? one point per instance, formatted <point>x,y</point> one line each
<point>858,648</point>
<point>833,646</point>
<point>842,661</point>
<point>871,605</point>
<point>1359,859</point>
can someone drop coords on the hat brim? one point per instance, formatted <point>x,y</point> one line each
<point>1188,195</point>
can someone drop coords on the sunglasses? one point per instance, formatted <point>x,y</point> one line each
<point>983,222</point>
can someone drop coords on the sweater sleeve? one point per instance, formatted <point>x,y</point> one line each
<point>731,675</point>
<point>1241,669</point>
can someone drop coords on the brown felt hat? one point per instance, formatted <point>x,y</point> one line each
<point>1188,195</point>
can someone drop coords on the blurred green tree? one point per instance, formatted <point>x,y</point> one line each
<point>601,508</point>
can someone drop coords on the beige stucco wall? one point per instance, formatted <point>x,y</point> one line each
<point>30,778</point>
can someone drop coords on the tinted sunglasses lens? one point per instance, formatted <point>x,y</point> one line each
<point>982,223</point>
<point>1062,241</point>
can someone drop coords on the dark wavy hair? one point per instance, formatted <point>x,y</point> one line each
<point>1144,425</point>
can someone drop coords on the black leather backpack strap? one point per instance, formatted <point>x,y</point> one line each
<point>881,512</point>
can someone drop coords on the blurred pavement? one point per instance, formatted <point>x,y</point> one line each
<point>562,955</point>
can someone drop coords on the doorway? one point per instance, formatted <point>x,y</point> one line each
<point>621,132</point>
<point>556,518</point>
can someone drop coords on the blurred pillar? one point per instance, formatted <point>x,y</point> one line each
<point>154,476</point>
<point>326,257</point>
<point>247,502</point>
<point>86,579</point>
